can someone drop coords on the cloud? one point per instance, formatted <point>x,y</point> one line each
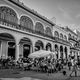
<point>65,14</point>
<point>74,26</point>
<point>78,16</point>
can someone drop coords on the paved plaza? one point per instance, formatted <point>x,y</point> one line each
<point>33,75</point>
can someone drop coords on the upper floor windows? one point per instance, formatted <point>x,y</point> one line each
<point>26,22</point>
<point>69,35</point>
<point>39,27</point>
<point>8,14</point>
<point>48,31</point>
<point>61,35</point>
<point>56,34</point>
<point>65,37</point>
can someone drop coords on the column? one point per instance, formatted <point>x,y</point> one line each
<point>44,46</point>
<point>59,54</point>
<point>0,49</point>
<point>21,49</point>
<point>17,50</point>
<point>33,47</point>
<point>4,49</point>
<point>68,51</point>
<point>53,48</point>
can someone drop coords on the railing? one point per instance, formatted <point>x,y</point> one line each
<point>19,27</point>
<point>8,23</point>
<point>72,39</point>
<point>61,40</point>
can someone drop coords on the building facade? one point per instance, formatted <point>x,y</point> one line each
<point>23,31</point>
<point>73,38</point>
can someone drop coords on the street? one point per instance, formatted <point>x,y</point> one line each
<point>10,74</point>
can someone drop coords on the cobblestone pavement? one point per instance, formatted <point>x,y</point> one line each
<point>32,75</point>
<point>25,78</point>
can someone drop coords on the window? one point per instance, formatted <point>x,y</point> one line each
<point>39,27</point>
<point>8,14</point>
<point>56,34</point>
<point>61,35</point>
<point>26,22</point>
<point>48,31</point>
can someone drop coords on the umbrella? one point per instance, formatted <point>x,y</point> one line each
<point>41,53</point>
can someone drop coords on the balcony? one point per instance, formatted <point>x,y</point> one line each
<point>19,27</point>
<point>8,23</point>
<point>72,39</point>
<point>61,40</point>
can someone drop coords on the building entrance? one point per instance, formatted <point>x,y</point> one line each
<point>26,50</point>
<point>11,49</point>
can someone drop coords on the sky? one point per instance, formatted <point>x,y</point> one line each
<point>62,12</point>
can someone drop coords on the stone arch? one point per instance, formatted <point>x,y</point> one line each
<point>56,34</point>
<point>39,45</point>
<point>65,50</point>
<point>8,14</point>
<point>7,45</point>
<point>48,31</point>
<point>61,52</point>
<point>39,27</point>
<point>26,22</point>
<point>25,46</point>
<point>56,47</point>
<point>69,35</point>
<point>65,37</point>
<point>9,35</point>
<point>49,46</point>
<point>61,35</point>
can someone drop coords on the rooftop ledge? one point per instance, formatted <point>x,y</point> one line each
<point>20,4</point>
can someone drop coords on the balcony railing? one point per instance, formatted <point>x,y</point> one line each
<point>61,40</point>
<point>72,39</point>
<point>8,23</point>
<point>19,27</point>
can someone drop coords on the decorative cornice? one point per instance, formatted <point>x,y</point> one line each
<point>68,29</point>
<point>75,49</point>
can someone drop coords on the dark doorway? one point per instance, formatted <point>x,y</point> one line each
<point>61,51</point>
<point>65,52</point>
<point>37,48</point>
<point>39,45</point>
<point>11,49</point>
<point>26,50</point>
<point>48,47</point>
<point>56,49</point>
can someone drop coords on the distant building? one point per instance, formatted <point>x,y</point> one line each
<point>73,37</point>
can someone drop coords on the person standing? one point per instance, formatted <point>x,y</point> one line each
<point>74,69</point>
<point>69,64</point>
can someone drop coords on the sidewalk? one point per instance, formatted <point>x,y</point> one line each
<point>25,78</point>
<point>32,75</point>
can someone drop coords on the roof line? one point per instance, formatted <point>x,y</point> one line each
<point>32,11</point>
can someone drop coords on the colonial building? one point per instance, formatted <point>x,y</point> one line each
<point>74,41</point>
<point>23,31</point>
<point>62,45</point>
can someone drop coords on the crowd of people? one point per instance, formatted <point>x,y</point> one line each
<point>49,65</point>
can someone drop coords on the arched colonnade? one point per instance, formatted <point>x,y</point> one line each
<point>9,46</point>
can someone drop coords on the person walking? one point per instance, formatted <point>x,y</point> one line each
<point>69,64</point>
<point>74,69</point>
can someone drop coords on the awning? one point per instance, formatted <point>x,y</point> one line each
<point>41,53</point>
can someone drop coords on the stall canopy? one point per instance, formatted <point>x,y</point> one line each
<point>41,53</point>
